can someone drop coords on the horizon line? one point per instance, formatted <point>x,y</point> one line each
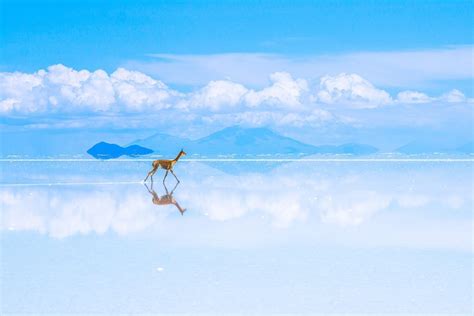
<point>249,160</point>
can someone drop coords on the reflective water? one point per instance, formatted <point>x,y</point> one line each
<point>240,237</point>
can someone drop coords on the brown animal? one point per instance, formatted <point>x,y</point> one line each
<point>165,199</point>
<point>165,164</point>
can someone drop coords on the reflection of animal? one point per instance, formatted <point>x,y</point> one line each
<point>165,164</point>
<point>165,199</point>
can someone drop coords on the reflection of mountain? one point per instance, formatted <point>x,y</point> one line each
<point>238,141</point>
<point>239,168</point>
<point>105,150</point>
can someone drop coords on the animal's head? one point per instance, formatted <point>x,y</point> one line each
<point>183,153</point>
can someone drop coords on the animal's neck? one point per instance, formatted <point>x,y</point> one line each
<point>177,157</point>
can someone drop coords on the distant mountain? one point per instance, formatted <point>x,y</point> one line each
<point>105,150</point>
<point>63,143</point>
<point>421,147</point>
<point>239,141</point>
<point>243,141</point>
<point>163,144</point>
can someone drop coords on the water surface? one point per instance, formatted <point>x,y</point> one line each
<point>308,237</point>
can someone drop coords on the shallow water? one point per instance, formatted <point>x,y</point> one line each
<point>254,237</point>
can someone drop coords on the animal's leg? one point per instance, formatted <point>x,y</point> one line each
<point>166,189</point>
<point>146,178</point>
<point>181,210</point>
<point>151,173</point>
<point>174,175</point>
<point>146,186</point>
<point>166,174</point>
<point>175,186</point>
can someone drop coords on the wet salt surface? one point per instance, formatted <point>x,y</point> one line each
<point>254,237</point>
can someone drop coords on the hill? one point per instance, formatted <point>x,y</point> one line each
<point>163,144</point>
<point>245,141</point>
<point>105,150</point>
<point>238,141</point>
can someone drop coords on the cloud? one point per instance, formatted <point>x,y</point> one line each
<point>284,91</point>
<point>414,69</point>
<point>63,89</point>
<point>413,97</point>
<point>453,96</point>
<point>136,90</point>
<point>216,95</point>
<point>61,96</point>
<point>351,89</point>
<point>314,118</point>
<point>17,91</point>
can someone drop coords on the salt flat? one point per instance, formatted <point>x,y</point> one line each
<point>237,236</point>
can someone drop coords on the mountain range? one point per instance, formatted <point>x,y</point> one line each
<point>238,141</point>
<point>424,147</point>
<point>230,142</point>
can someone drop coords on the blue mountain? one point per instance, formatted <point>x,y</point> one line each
<point>163,144</point>
<point>105,150</point>
<point>239,141</point>
<point>244,141</point>
<point>425,147</point>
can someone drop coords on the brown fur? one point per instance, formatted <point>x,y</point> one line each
<point>165,199</point>
<point>165,164</point>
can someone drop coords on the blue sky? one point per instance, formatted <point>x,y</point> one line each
<point>102,34</point>
<point>331,66</point>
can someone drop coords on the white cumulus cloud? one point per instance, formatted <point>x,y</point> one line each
<point>413,97</point>
<point>284,91</point>
<point>285,101</point>
<point>63,89</point>
<point>352,90</point>
<point>216,95</point>
<point>453,96</point>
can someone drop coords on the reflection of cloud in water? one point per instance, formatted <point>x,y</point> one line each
<point>64,212</point>
<point>229,197</point>
<point>288,196</point>
<point>351,208</point>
